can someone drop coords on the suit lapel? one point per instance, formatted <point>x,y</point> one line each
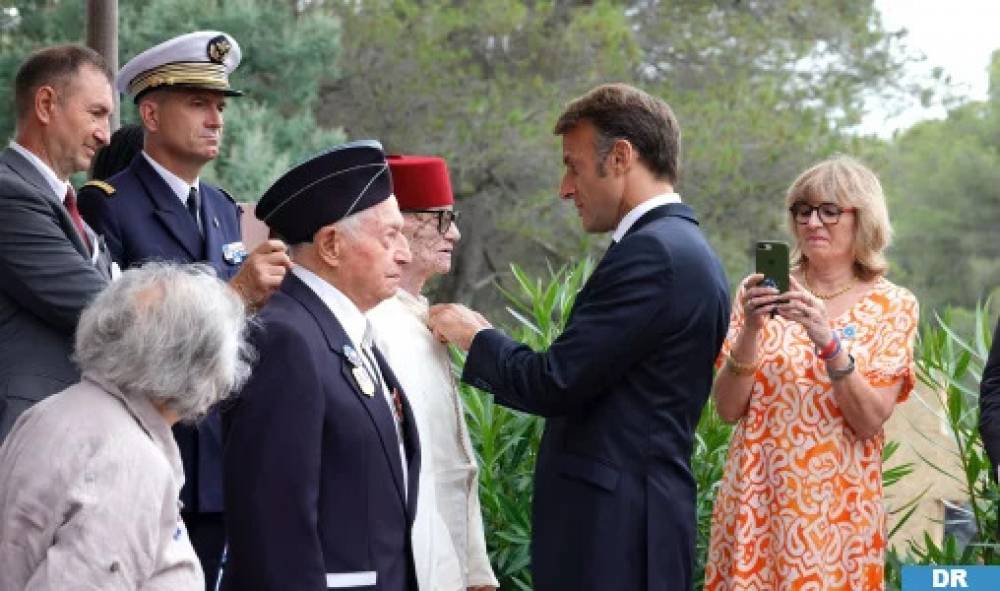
<point>27,171</point>
<point>410,440</point>
<point>213,230</point>
<point>168,209</point>
<point>374,405</point>
<point>680,210</point>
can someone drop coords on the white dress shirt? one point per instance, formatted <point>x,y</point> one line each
<point>179,186</point>
<point>639,210</point>
<point>455,558</point>
<point>355,324</point>
<point>59,186</point>
<point>59,189</point>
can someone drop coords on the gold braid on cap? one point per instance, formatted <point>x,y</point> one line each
<point>200,74</point>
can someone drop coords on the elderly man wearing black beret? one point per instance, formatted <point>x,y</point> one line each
<point>321,456</point>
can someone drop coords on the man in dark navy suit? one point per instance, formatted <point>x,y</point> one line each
<point>159,209</point>
<point>321,456</point>
<point>624,385</point>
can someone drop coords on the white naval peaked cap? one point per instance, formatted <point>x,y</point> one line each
<point>203,59</point>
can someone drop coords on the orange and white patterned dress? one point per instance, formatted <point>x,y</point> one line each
<point>800,503</point>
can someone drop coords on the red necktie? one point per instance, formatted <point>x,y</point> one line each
<point>74,214</point>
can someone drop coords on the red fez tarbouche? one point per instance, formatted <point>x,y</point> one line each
<point>420,182</point>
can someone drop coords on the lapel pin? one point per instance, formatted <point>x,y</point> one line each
<point>352,355</point>
<point>234,253</point>
<point>215,222</point>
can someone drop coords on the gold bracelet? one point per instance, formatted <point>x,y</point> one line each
<point>741,369</point>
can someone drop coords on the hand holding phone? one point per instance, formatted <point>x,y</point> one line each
<point>771,258</point>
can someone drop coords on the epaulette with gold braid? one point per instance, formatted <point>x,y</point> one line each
<point>108,190</point>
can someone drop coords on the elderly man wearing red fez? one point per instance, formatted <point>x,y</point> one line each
<point>448,543</point>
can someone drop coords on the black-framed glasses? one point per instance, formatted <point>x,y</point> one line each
<point>445,217</point>
<point>829,212</point>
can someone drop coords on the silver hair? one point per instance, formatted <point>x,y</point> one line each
<point>174,334</point>
<point>351,225</point>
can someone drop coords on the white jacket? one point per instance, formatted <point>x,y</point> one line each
<point>449,545</point>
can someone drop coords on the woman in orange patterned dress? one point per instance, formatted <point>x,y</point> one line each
<point>811,376</point>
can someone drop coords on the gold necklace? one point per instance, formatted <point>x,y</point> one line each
<point>830,295</point>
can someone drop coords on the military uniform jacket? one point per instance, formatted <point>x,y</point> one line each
<point>622,389</point>
<point>314,484</point>
<point>47,277</point>
<point>142,219</point>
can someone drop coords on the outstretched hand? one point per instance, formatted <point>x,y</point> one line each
<point>456,324</point>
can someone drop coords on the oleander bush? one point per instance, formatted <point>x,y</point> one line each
<point>950,364</point>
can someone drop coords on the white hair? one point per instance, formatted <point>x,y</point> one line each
<point>174,334</point>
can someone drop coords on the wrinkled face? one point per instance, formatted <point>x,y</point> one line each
<point>430,249</point>
<point>186,123</point>
<point>596,194</point>
<point>828,241</point>
<point>79,123</point>
<point>372,259</point>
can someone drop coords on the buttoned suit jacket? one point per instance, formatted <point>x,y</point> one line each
<point>989,403</point>
<point>313,479</point>
<point>143,220</point>
<point>47,277</point>
<point>622,389</point>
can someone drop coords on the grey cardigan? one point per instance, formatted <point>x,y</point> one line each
<point>89,484</point>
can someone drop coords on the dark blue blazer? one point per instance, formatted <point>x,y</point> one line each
<point>622,388</point>
<point>989,403</point>
<point>313,481</point>
<point>143,220</point>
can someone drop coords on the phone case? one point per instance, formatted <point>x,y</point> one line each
<point>772,262</point>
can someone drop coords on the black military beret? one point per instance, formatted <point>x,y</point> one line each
<point>326,188</point>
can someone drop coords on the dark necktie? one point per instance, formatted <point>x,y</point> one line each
<point>194,208</point>
<point>74,214</point>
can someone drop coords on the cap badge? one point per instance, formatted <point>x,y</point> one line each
<point>218,48</point>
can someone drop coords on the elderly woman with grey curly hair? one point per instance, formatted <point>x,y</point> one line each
<point>89,478</point>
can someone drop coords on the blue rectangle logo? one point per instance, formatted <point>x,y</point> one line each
<point>965,578</point>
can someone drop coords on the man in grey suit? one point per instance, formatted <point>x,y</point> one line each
<point>51,263</point>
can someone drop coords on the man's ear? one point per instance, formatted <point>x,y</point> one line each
<point>329,245</point>
<point>623,156</point>
<point>45,103</point>
<point>149,114</point>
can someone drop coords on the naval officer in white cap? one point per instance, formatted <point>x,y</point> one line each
<point>159,209</point>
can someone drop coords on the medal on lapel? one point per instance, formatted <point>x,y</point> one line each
<point>234,252</point>
<point>364,381</point>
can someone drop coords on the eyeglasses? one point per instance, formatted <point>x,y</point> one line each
<point>829,213</point>
<point>445,217</point>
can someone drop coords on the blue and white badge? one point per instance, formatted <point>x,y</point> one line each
<point>966,578</point>
<point>352,356</point>
<point>848,333</point>
<point>234,253</point>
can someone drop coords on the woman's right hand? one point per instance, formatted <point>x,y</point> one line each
<point>758,302</point>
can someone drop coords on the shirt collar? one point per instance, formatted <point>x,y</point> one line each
<point>178,185</point>
<point>639,210</point>
<point>350,317</point>
<point>59,186</point>
<point>417,304</point>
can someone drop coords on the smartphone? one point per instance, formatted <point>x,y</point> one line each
<point>772,261</point>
